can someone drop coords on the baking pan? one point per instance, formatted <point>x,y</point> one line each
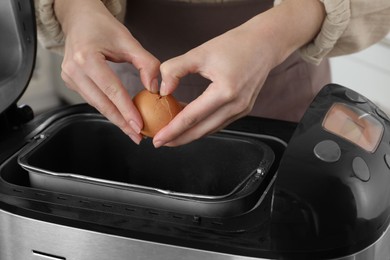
<point>86,155</point>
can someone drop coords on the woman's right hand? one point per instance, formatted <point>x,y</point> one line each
<point>93,37</point>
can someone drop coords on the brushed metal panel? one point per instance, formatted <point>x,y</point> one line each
<point>19,236</point>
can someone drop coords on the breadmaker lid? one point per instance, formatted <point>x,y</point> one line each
<point>17,49</point>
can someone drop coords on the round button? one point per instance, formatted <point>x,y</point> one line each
<point>382,114</point>
<point>354,96</point>
<point>327,151</point>
<point>360,169</point>
<point>387,160</point>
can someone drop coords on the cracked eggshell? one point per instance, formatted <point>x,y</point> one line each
<point>156,110</point>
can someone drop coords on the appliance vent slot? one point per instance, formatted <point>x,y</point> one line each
<point>130,209</point>
<point>47,256</point>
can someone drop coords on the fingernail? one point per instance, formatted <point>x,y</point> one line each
<point>136,139</point>
<point>163,92</point>
<point>135,126</point>
<point>154,86</point>
<point>158,143</point>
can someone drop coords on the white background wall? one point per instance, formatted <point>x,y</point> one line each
<point>367,72</point>
<point>46,88</point>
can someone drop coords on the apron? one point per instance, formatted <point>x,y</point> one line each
<point>169,28</point>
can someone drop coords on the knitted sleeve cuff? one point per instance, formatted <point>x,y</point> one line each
<point>338,15</point>
<point>50,34</point>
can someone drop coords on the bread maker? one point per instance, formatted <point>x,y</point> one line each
<point>74,187</point>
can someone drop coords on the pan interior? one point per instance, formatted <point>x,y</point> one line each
<point>211,166</point>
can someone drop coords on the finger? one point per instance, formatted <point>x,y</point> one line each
<point>209,125</point>
<point>174,69</point>
<point>147,65</point>
<point>92,94</point>
<point>102,76</point>
<point>149,72</point>
<point>196,111</point>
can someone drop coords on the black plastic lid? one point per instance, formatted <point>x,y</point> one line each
<point>17,49</point>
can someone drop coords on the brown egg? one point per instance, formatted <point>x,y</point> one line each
<point>156,111</point>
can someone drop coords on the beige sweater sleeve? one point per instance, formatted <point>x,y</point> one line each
<point>350,26</point>
<point>49,30</point>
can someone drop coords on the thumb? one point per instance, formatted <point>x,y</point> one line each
<point>173,70</point>
<point>148,67</point>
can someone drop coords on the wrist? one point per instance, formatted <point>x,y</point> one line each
<point>69,11</point>
<point>289,26</point>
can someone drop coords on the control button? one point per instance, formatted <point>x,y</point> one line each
<point>387,160</point>
<point>328,151</point>
<point>354,96</point>
<point>382,114</point>
<point>360,169</point>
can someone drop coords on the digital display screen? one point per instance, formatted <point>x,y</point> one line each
<point>354,125</point>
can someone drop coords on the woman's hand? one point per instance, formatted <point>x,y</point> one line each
<point>237,63</point>
<point>93,37</point>
<point>237,70</point>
